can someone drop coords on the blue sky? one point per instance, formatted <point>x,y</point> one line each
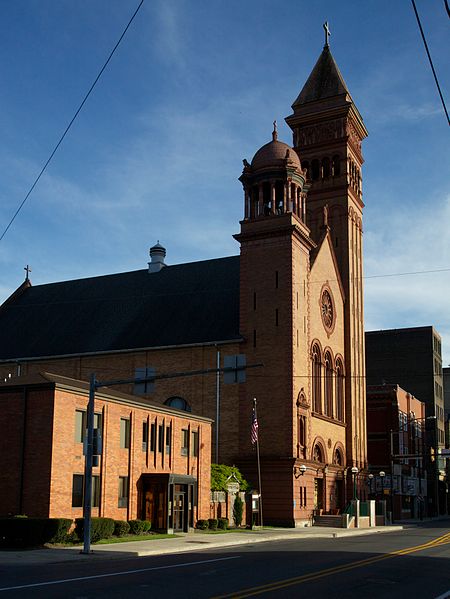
<point>157,151</point>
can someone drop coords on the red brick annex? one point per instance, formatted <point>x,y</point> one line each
<point>155,461</point>
<point>291,301</point>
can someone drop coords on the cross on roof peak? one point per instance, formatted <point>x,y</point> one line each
<point>28,270</point>
<point>327,33</point>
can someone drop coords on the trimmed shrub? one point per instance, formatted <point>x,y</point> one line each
<point>212,523</point>
<point>238,510</point>
<point>31,532</point>
<point>223,523</point>
<point>58,529</point>
<point>101,528</point>
<point>121,528</point>
<point>202,524</point>
<point>139,527</point>
<point>147,525</point>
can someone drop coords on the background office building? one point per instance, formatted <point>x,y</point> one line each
<point>411,358</point>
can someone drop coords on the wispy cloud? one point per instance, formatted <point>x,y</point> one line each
<point>409,242</point>
<point>169,32</point>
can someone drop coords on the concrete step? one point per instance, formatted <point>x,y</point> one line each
<point>328,520</point>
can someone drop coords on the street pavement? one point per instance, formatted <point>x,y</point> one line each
<point>182,543</point>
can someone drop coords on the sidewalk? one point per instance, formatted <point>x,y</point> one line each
<point>193,541</point>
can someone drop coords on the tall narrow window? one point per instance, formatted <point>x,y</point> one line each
<point>77,490</point>
<point>316,380</point>
<point>184,441</point>
<point>80,425</point>
<point>302,436</point>
<point>153,436</point>
<point>144,435</point>
<point>328,386</point>
<point>336,166</point>
<point>315,169</point>
<point>123,491</point>
<point>194,444</point>
<point>161,438</point>
<point>125,433</point>
<point>276,317</point>
<point>95,491</point>
<point>168,439</point>
<point>339,391</point>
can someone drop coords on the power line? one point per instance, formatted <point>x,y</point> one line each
<point>71,122</point>
<point>429,57</point>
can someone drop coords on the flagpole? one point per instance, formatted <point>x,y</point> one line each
<point>259,466</point>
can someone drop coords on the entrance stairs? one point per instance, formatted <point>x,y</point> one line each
<point>328,520</point>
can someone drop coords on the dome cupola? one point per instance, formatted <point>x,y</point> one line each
<point>274,182</point>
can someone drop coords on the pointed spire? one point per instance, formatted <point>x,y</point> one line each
<point>275,132</point>
<point>325,80</point>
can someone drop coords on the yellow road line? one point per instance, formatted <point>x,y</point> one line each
<point>250,592</point>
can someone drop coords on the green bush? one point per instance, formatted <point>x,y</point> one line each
<point>121,528</point>
<point>222,474</point>
<point>212,523</point>
<point>139,527</point>
<point>30,532</point>
<point>223,523</point>
<point>238,510</point>
<point>58,528</point>
<point>202,524</point>
<point>101,528</point>
<point>147,525</point>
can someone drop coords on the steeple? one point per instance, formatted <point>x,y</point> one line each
<point>328,132</point>
<point>325,81</point>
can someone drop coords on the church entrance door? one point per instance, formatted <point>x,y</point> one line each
<point>178,509</point>
<point>318,494</point>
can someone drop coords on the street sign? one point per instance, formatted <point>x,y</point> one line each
<point>444,451</point>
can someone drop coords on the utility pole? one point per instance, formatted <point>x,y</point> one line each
<point>87,503</point>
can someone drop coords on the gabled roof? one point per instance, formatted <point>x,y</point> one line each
<point>183,304</point>
<point>325,81</point>
<point>326,239</point>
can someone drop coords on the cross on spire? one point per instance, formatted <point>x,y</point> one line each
<point>327,33</point>
<point>274,132</point>
<point>28,270</point>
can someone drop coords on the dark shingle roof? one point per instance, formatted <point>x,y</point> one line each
<point>182,304</point>
<point>325,81</point>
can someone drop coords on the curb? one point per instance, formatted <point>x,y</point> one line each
<point>187,545</point>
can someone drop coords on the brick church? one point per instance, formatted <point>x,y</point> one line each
<point>289,308</point>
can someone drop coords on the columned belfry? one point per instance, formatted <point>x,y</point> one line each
<point>327,133</point>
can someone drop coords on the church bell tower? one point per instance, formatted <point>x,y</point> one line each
<point>327,133</point>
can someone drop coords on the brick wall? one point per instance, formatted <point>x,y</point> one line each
<point>52,455</point>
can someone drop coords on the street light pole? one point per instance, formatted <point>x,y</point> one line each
<point>436,465</point>
<point>392,475</point>
<point>354,472</point>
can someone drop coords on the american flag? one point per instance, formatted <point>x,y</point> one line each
<point>254,430</point>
